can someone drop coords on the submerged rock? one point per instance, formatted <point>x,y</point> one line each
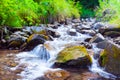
<point>110,58</point>
<point>72,32</point>
<point>57,75</point>
<point>76,56</point>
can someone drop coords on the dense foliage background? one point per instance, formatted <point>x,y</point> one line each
<point>30,12</point>
<point>18,13</point>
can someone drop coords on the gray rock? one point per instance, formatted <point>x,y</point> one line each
<point>72,32</point>
<point>103,44</point>
<point>90,32</point>
<point>76,21</point>
<point>117,40</point>
<point>68,21</point>
<point>97,38</point>
<point>52,32</point>
<point>112,34</point>
<point>85,27</point>
<point>98,25</point>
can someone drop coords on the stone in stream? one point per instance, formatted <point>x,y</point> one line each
<point>72,32</point>
<point>98,25</point>
<point>16,39</point>
<point>112,34</point>
<point>76,21</point>
<point>110,58</point>
<point>75,56</point>
<point>90,32</point>
<point>117,40</point>
<point>52,33</point>
<point>57,75</point>
<point>54,26</point>
<point>33,41</point>
<point>103,44</point>
<point>97,38</point>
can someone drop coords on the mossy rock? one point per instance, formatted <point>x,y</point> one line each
<point>34,40</point>
<point>74,56</point>
<point>110,58</point>
<point>15,44</point>
<point>43,33</point>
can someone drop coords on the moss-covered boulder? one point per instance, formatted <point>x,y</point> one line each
<point>110,58</point>
<point>75,56</point>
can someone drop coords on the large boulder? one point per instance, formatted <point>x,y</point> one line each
<point>75,56</point>
<point>110,58</point>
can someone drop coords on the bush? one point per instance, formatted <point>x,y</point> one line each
<point>109,11</point>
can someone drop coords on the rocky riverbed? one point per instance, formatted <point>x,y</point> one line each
<point>72,46</point>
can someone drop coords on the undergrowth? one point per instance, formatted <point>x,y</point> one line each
<point>18,13</point>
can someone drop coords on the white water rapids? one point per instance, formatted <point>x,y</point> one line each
<point>40,59</point>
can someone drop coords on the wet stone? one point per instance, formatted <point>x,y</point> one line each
<point>72,32</point>
<point>57,75</point>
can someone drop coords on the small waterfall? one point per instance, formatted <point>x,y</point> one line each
<point>41,52</point>
<point>37,61</point>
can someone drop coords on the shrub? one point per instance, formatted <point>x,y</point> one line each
<point>8,13</point>
<point>109,11</point>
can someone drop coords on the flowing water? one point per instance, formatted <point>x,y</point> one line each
<point>41,58</point>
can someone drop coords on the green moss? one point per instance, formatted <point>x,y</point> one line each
<point>70,53</point>
<point>103,57</point>
<point>43,32</point>
<point>116,52</point>
<point>30,38</point>
<point>33,35</point>
<point>113,53</point>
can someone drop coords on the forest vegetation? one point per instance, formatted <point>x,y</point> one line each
<point>18,13</point>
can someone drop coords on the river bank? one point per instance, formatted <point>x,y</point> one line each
<point>42,47</point>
